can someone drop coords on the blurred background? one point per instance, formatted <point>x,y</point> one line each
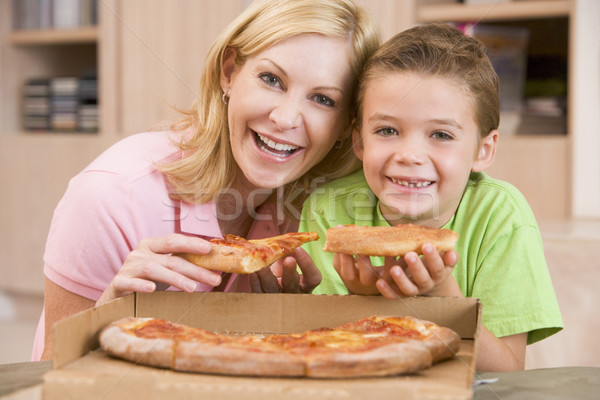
<point>78,75</point>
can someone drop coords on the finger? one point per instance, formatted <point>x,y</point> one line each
<point>433,261</point>
<point>366,273</point>
<point>311,276</point>
<point>386,290</point>
<point>122,286</point>
<point>290,279</point>
<point>404,284</point>
<point>268,281</point>
<point>420,274</point>
<point>158,272</point>
<point>176,243</point>
<point>191,271</point>
<point>348,270</point>
<point>450,258</point>
<point>255,283</point>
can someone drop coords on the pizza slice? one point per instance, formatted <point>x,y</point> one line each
<point>392,241</point>
<point>240,256</point>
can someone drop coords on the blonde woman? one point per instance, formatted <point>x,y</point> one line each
<point>271,122</point>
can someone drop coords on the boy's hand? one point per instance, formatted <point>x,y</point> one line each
<point>427,275</point>
<point>410,275</point>
<point>357,273</point>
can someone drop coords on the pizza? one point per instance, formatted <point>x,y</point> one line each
<point>373,346</point>
<point>237,255</point>
<point>387,241</point>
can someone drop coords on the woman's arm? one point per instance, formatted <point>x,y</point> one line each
<point>58,304</point>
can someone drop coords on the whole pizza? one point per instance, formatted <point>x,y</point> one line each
<point>374,346</point>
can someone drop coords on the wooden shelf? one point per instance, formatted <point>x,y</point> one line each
<point>55,36</point>
<point>494,11</point>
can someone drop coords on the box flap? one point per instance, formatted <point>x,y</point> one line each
<point>77,334</point>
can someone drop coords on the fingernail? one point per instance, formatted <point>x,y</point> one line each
<point>191,286</point>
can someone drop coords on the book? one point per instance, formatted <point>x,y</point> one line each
<point>36,105</point>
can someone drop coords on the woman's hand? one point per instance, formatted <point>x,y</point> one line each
<point>283,275</point>
<point>410,275</point>
<point>151,264</point>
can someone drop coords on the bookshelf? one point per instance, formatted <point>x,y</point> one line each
<point>88,34</point>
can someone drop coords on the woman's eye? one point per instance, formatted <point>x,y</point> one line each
<point>386,131</point>
<point>441,135</point>
<point>324,100</point>
<point>270,79</point>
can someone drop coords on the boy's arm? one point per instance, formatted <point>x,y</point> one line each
<point>493,354</point>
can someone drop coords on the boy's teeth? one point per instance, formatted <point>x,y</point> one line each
<point>277,146</point>
<point>409,184</point>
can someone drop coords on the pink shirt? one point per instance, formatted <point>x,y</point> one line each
<point>118,200</point>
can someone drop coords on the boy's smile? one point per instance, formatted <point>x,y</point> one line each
<point>419,142</point>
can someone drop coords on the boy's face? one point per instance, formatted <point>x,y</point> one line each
<point>418,143</point>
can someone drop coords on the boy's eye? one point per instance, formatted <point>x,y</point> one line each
<point>324,100</point>
<point>387,131</point>
<point>441,135</point>
<point>270,79</point>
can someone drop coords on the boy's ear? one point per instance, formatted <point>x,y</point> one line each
<point>227,68</point>
<point>487,151</point>
<point>357,143</point>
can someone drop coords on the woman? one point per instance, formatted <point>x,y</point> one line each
<point>272,121</point>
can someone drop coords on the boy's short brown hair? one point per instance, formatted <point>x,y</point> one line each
<point>439,50</point>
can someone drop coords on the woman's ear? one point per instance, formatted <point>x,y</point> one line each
<point>227,68</point>
<point>357,143</point>
<point>487,151</point>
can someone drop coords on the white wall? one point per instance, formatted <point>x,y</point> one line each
<point>585,111</point>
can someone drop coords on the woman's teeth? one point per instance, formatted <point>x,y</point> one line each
<point>412,184</point>
<point>276,146</point>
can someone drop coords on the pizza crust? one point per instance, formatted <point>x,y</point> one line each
<point>232,360</point>
<point>393,359</point>
<point>387,241</point>
<point>115,339</point>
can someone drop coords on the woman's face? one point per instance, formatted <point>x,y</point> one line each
<point>287,106</point>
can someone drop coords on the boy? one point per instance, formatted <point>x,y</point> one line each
<point>426,128</point>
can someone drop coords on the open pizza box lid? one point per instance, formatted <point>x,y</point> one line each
<point>82,370</point>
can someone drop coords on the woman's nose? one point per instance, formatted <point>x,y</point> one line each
<point>287,114</point>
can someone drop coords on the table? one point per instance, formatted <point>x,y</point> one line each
<point>581,383</point>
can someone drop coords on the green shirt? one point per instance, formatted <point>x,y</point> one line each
<point>501,257</point>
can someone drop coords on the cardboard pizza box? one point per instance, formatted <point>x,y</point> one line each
<point>82,370</point>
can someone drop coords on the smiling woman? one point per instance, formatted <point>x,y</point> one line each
<point>266,127</point>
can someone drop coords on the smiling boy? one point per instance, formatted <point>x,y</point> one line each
<point>426,129</point>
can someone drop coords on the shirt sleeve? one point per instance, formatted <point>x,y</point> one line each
<point>515,288</point>
<point>93,229</point>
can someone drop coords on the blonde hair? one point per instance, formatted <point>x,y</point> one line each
<point>208,165</point>
<point>439,50</point>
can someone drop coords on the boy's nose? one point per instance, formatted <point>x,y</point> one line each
<point>410,151</point>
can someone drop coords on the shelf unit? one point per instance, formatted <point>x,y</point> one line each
<point>496,11</point>
<point>54,36</point>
